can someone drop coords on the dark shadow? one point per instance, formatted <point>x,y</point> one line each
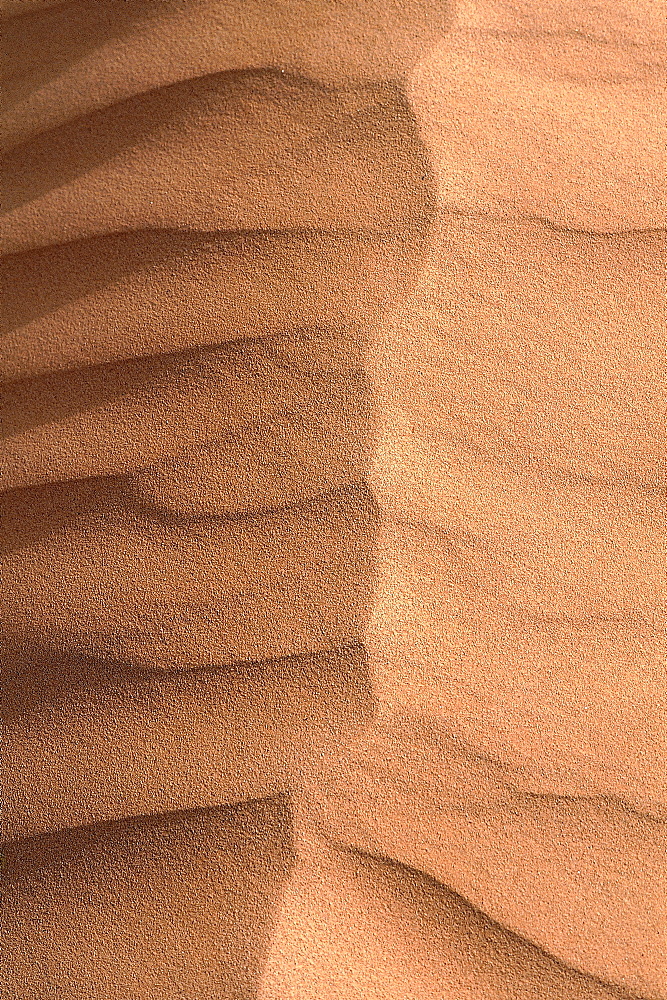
<point>47,399</point>
<point>89,741</point>
<point>180,904</point>
<point>35,678</point>
<point>30,513</point>
<point>38,282</point>
<point>328,604</point>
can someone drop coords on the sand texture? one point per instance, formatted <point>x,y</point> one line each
<point>333,398</point>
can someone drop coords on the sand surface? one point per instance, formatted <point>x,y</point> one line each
<point>332,487</point>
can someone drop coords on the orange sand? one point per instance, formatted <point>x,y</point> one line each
<point>333,490</point>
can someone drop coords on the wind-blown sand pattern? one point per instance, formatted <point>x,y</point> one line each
<point>333,499</point>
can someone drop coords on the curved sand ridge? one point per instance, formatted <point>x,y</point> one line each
<point>203,376</point>
<point>215,903</point>
<point>226,151</point>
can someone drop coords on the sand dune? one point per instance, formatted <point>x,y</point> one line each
<point>533,346</point>
<point>578,111</point>
<point>179,905</point>
<point>453,636</point>
<point>87,743</point>
<point>215,903</point>
<point>111,419</point>
<point>519,466</point>
<point>117,583</point>
<point>332,482</point>
<point>353,926</point>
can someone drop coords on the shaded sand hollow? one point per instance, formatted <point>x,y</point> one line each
<point>333,499</point>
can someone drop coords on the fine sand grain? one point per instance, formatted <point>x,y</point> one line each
<point>332,487</point>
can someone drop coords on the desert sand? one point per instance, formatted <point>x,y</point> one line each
<point>333,499</point>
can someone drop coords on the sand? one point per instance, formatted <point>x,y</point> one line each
<point>332,476</point>
<point>66,306</point>
<point>571,868</point>
<point>355,925</point>
<point>180,905</point>
<point>230,152</point>
<point>95,740</point>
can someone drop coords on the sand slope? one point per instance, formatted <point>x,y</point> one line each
<point>332,478</point>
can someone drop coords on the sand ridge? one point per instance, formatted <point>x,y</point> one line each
<point>332,472</point>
